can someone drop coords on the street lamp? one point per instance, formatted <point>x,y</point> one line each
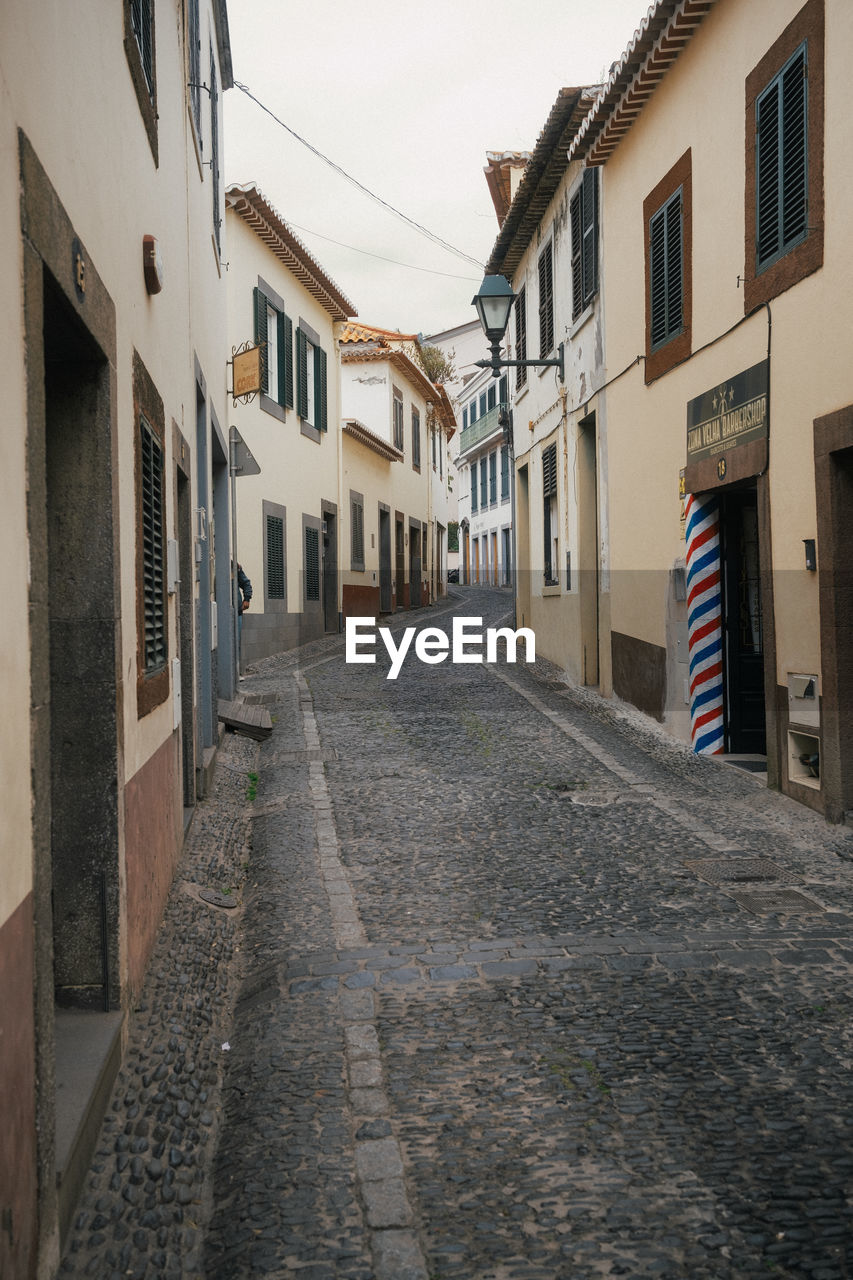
<point>494,303</point>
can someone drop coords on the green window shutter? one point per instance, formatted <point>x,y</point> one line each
<point>275,558</point>
<point>666,271</point>
<point>781,161</point>
<point>320,390</point>
<point>674,266</point>
<point>546,301</point>
<point>312,564</point>
<point>473,486</point>
<point>155,641</point>
<point>261,335</point>
<point>286,361</point>
<point>589,234</point>
<point>549,471</point>
<point>301,374</point>
<point>577,254</point>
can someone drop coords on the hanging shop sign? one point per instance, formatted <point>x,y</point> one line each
<point>247,372</point>
<point>727,431</point>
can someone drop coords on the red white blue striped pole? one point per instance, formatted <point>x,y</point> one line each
<point>704,626</point>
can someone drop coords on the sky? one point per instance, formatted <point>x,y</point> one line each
<point>407,99</point>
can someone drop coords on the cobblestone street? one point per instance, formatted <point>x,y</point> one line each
<point>517,989</point>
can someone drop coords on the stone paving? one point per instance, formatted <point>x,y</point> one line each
<point>518,988</point>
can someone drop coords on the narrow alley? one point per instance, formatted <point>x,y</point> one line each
<point>493,981</point>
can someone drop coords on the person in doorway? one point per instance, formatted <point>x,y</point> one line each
<point>244,596</point>
<point>244,590</point>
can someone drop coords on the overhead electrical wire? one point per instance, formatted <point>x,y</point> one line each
<point>422,230</point>
<point>408,265</point>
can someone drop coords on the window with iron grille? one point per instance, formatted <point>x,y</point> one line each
<point>155,641</point>
<point>274,334</point>
<point>781,161</point>
<point>549,510</point>
<point>194,42</point>
<point>521,335</point>
<point>584,220</point>
<point>275,558</point>
<point>142,22</point>
<point>546,300</point>
<point>666,267</point>
<point>399,430</point>
<point>312,563</point>
<point>416,438</point>
<point>357,531</point>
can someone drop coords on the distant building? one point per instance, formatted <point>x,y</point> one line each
<point>289,516</point>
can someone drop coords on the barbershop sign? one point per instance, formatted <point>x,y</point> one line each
<point>731,414</point>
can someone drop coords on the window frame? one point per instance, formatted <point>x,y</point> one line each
<point>676,347</point>
<point>398,412</point>
<point>804,256</point>
<point>265,299</point>
<point>474,480</point>
<point>152,681</point>
<point>666,228</point>
<point>550,515</point>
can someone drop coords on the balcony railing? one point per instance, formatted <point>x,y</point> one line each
<point>481,429</point>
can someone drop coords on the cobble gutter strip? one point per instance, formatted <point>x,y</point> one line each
<point>378,1157</point>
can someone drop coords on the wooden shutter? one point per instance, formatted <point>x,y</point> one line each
<point>576,214</point>
<point>549,471</point>
<point>521,336</point>
<point>285,357</point>
<point>782,161</point>
<point>549,490</point>
<point>484,484</point>
<point>546,301</point>
<point>357,513</point>
<point>261,336</point>
<point>794,149</point>
<point>142,20</point>
<point>493,476</point>
<point>666,271</point>
<point>674,266</point>
<point>474,505</point>
<point>275,558</point>
<point>194,40</point>
<point>152,533</point>
<point>214,152</point>
<point>301,374</point>
<point>312,564</point>
<point>321,407</point>
<point>589,234</point>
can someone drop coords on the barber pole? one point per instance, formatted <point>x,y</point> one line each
<point>704,626</point>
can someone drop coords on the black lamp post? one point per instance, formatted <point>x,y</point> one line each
<point>494,303</point>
